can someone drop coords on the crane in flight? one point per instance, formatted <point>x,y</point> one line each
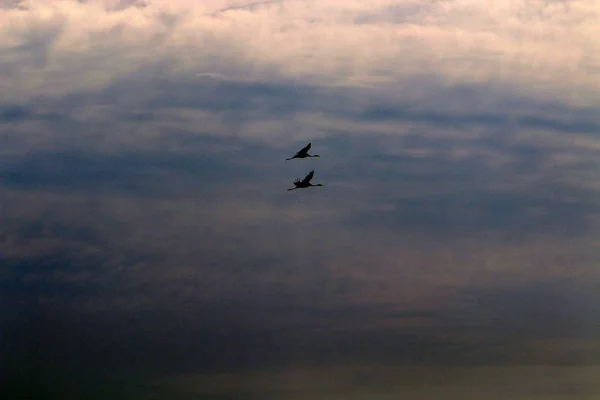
<point>305,182</point>
<point>303,153</point>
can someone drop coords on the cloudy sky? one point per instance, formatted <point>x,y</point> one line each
<point>149,248</point>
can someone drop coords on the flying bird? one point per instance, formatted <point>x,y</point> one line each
<point>303,153</point>
<point>305,182</point>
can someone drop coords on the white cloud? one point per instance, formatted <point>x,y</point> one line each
<point>542,47</point>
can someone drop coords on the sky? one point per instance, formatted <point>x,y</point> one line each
<point>149,248</point>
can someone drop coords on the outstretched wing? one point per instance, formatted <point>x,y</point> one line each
<point>309,177</point>
<point>305,149</point>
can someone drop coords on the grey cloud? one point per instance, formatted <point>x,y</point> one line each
<point>10,4</point>
<point>124,172</point>
<point>157,88</point>
<point>34,49</point>
<point>559,310</point>
<point>491,105</point>
<point>14,113</point>
<point>397,13</point>
<point>117,5</point>
<point>226,336</point>
<point>252,6</point>
<point>468,186</point>
<point>385,112</point>
<point>145,224</point>
<point>275,99</point>
<point>517,214</point>
<point>460,106</point>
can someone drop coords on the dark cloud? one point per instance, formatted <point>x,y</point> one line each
<point>552,308</point>
<point>117,5</point>
<point>134,173</point>
<point>146,230</point>
<point>464,106</point>
<point>182,251</point>
<point>8,4</point>
<point>410,113</point>
<point>237,335</point>
<point>515,214</point>
<point>247,100</point>
<point>250,7</point>
<point>14,113</point>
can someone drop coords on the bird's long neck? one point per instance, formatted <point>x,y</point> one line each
<point>316,155</point>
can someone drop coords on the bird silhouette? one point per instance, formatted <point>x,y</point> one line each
<point>303,153</point>
<point>305,182</point>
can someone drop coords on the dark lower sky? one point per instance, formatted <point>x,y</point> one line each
<point>149,248</point>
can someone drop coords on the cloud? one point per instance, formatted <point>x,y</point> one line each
<point>324,42</point>
<point>143,182</point>
<point>14,113</point>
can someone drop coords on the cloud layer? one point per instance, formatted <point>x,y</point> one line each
<point>52,48</point>
<point>145,224</point>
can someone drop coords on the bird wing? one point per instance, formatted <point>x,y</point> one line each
<point>309,177</point>
<point>305,149</point>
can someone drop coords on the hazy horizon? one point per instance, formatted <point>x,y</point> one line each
<point>149,247</point>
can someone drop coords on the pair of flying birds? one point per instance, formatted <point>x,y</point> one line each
<point>306,181</point>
